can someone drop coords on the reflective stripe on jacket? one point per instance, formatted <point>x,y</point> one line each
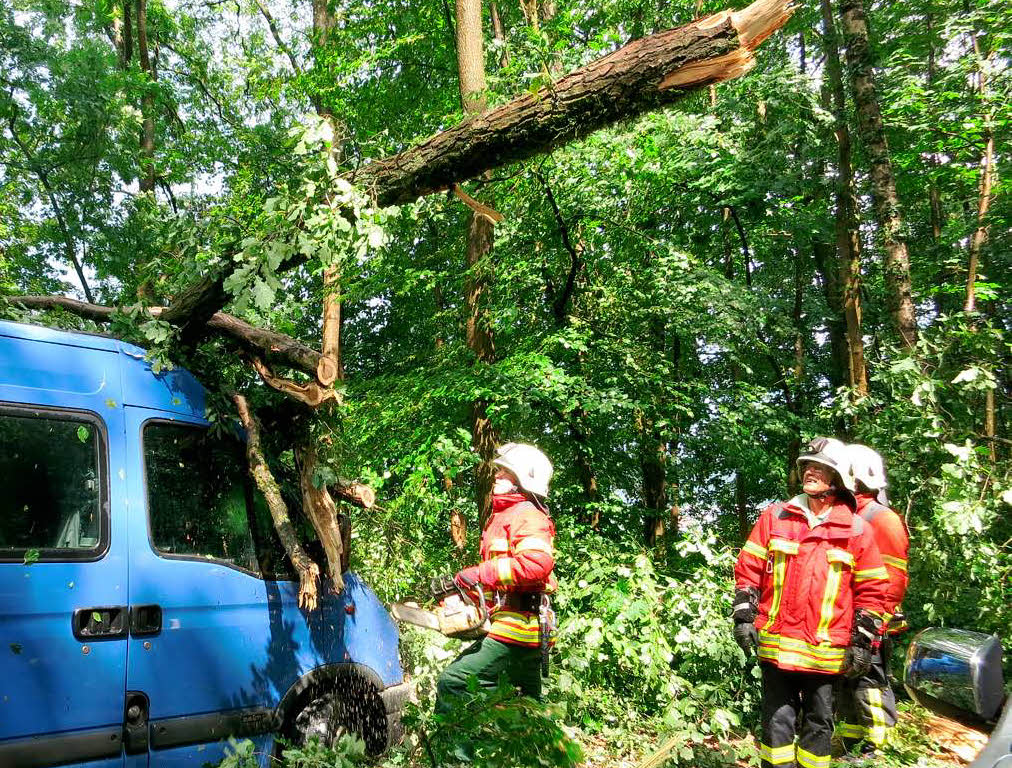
<point>810,582</point>
<point>893,544</point>
<point>517,556</point>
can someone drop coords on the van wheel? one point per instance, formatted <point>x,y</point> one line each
<point>331,709</point>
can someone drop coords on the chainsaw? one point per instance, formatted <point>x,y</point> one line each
<point>455,615</point>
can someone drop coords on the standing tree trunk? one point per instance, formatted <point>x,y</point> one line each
<point>147,177</point>
<point>883,183</point>
<point>480,235</point>
<point>848,239</point>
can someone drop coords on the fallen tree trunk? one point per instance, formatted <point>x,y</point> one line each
<point>271,345</point>
<point>639,77</point>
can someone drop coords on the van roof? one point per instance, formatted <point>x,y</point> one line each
<point>175,390</point>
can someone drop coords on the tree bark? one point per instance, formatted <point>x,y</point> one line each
<point>848,239</point>
<point>642,76</point>
<point>979,236</point>
<point>147,175</point>
<point>309,572</point>
<point>480,236</point>
<point>319,507</point>
<point>883,183</point>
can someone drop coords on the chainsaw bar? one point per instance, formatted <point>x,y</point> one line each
<point>410,613</point>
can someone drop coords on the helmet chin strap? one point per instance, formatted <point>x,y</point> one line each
<point>822,496</point>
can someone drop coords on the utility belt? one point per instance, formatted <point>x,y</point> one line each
<point>530,602</point>
<point>539,603</point>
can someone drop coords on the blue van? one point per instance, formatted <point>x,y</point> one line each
<point>147,611</point>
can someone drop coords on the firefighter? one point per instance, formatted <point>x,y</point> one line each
<point>515,575</point>
<point>810,593</point>
<point>867,709</point>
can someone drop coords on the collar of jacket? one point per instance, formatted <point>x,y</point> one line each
<point>839,514</point>
<point>504,501</point>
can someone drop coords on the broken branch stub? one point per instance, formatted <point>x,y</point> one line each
<point>309,572</point>
<point>310,393</point>
<point>359,494</point>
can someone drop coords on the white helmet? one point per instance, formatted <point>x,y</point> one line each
<point>831,453</point>
<point>531,467</point>
<point>866,465</point>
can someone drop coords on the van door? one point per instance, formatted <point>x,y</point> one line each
<point>63,564</point>
<point>211,651</point>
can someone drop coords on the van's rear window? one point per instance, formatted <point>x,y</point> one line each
<point>51,485</point>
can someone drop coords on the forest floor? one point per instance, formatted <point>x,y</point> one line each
<point>944,744</point>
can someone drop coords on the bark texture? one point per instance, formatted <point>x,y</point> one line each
<point>309,572</point>
<point>480,236</point>
<point>319,507</point>
<point>848,240</point>
<point>883,182</point>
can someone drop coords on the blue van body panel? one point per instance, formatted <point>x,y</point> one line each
<point>175,391</point>
<point>230,640</point>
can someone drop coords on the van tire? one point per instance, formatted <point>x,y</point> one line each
<point>335,706</point>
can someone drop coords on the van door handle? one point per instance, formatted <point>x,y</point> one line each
<point>145,620</point>
<point>99,623</point>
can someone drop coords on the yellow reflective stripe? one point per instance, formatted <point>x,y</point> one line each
<point>896,562</point>
<point>871,573</point>
<point>504,570</point>
<point>515,626</point>
<point>532,544</point>
<point>754,549</point>
<point>840,556</point>
<point>877,732</point>
<point>829,600</point>
<point>808,760</point>
<point>779,570</point>
<point>852,731</point>
<point>498,546</point>
<point>789,652</point>
<point>777,755</point>
<point>785,546</point>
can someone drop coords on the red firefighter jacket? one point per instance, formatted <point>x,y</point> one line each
<point>893,543</point>
<point>516,558</point>
<point>810,581</point>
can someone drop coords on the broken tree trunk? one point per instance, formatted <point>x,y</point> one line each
<point>309,572</point>
<point>319,507</point>
<point>642,76</point>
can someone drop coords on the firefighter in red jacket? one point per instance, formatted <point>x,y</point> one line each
<point>810,594</point>
<point>515,575</point>
<point>867,707</point>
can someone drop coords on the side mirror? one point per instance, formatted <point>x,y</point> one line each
<point>955,668</point>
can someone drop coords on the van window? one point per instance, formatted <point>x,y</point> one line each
<point>198,497</point>
<point>51,485</point>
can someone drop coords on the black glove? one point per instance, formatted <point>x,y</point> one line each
<point>441,586</point>
<point>865,638</point>
<point>857,661</point>
<point>747,637</point>
<point>746,601</point>
<point>867,629</point>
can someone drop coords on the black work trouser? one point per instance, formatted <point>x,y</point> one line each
<point>785,696</point>
<point>867,706</point>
